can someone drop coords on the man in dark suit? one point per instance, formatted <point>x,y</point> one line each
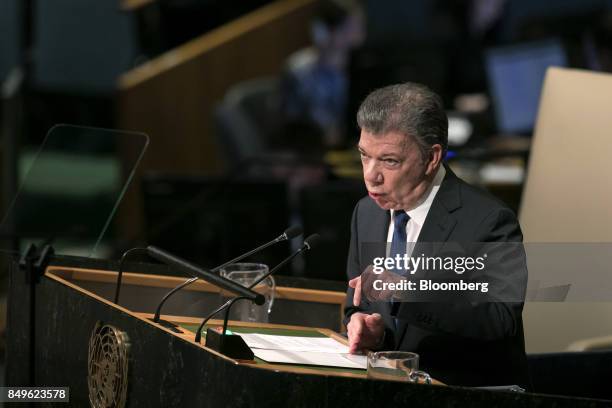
<point>414,198</point>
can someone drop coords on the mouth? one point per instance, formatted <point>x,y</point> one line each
<point>375,195</point>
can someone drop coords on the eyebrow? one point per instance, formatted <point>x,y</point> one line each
<point>384,156</point>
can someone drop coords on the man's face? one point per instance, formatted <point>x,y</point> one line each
<point>394,172</point>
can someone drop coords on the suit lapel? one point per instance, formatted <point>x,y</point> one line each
<point>377,230</point>
<point>440,222</point>
<point>377,225</point>
<point>437,228</point>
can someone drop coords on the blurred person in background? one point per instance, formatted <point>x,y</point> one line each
<point>315,82</point>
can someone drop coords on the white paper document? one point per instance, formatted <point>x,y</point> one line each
<point>313,358</point>
<point>293,343</point>
<point>321,351</point>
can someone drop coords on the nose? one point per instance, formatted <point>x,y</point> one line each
<point>371,173</point>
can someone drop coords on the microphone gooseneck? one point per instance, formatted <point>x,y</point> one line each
<point>309,243</point>
<point>288,234</point>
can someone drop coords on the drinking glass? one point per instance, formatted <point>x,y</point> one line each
<point>245,274</point>
<point>396,366</point>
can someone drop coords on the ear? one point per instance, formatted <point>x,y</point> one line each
<point>434,159</point>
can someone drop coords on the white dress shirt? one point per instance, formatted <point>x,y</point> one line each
<point>418,214</point>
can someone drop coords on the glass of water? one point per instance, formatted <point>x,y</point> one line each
<point>396,366</point>
<point>245,274</point>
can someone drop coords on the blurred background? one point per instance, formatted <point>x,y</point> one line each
<point>249,109</point>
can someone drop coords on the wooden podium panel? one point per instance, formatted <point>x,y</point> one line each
<point>141,292</point>
<point>50,324</point>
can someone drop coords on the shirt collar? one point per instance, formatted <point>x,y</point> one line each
<point>419,213</point>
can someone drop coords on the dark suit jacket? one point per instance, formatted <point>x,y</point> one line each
<point>459,343</point>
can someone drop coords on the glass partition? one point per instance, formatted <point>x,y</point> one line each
<point>70,188</point>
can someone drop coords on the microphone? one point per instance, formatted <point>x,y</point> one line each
<point>197,272</point>
<point>310,242</point>
<point>288,234</point>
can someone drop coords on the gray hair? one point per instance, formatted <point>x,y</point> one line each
<point>410,109</point>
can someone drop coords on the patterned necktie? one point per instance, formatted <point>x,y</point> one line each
<point>398,243</point>
<point>398,247</point>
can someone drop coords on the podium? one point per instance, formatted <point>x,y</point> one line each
<point>54,323</point>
